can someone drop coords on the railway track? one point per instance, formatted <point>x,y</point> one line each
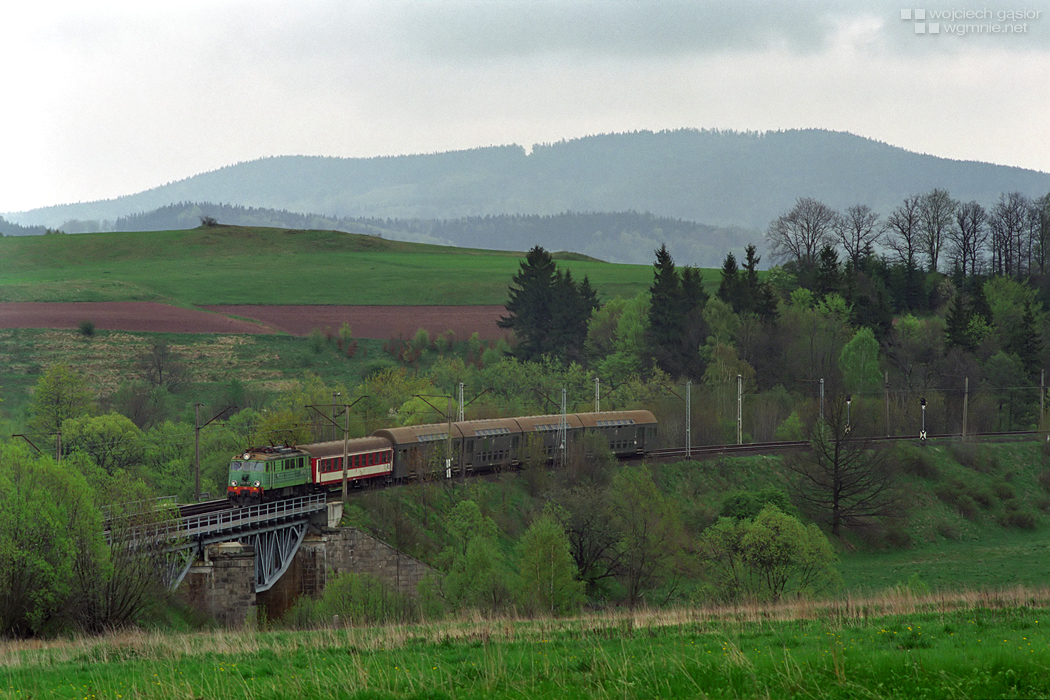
<point>189,510</point>
<point>707,451</point>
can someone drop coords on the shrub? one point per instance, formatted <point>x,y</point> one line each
<point>918,462</point>
<point>791,429</point>
<point>985,498</point>
<point>948,531</point>
<point>354,599</point>
<point>964,453</point>
<point>898,538</point>
<point>317,340</point>
<point>87,328</point>
<point>1023,519</point>
<point>1044,480</point>
<point>421,340</point>
<point>767,558</point>
<point>913,587</point>
<point>345,335</point>
<point>748,504</point>
<point>488,358</point>
<point>955,496</point>
<point>1004,491</point>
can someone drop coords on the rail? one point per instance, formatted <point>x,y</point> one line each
<point>187,510</point>
<point>784,446</point>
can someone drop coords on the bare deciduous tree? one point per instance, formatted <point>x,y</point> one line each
<point>859,229</point>
<point>802,232</point>
<point>162,366</point>
<point>936,210</point>
<point>968,236</point>
<point>902,231</point>
<point>1007,223</point>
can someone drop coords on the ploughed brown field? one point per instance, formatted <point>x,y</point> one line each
<point>382,322</point>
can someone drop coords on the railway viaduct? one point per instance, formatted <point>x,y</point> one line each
<point>229,563</point>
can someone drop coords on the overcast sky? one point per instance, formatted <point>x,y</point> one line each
<point>101,99</point>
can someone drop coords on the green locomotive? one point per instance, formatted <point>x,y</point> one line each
<point>278,472</point>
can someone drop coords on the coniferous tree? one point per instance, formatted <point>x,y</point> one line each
<point>676,326</point>
<point>957,324</point>
<point>1025,342</point>
<point>530,306</point>
<point>547,310</point>
<point>569,315</point>
<point>589,296</point>
<point>762,298</point>
<point>695,331</point>
<point>666,317</point>
<point>732,289</point>
<point>828,277</point>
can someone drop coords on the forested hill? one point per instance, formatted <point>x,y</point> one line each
<point>718,178</point>
<point>9,229</point>
<point>625,237</point>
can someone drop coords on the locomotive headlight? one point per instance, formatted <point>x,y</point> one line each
<point>258,483</point>
<point>233,483</point>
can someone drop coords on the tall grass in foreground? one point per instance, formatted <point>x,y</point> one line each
<point>980,644</point>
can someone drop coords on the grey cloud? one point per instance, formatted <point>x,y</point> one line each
<point>495,29</point>
<point>614,27</point>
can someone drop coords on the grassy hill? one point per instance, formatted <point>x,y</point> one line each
<point>248,265</point>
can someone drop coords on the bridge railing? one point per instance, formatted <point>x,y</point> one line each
<point>196,526</point>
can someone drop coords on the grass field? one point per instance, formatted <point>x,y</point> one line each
<point>235,265</point>
<point>264,362</point>
<point>987,646</point>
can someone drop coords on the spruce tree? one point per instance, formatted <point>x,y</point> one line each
<point>547,310</point>
<point>732,289</point>
<point>666,314</point>
<point>530,306</point>
<point>957,324</point>
<point>695,329</point>
<point>1025,341</point>
<point>569,314</point>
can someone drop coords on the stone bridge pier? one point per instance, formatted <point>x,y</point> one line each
<point>222,583</point>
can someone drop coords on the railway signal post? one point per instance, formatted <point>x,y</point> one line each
<point>922,433</point>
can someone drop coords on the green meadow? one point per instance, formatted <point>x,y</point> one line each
<point>238,265</point>
<point>986,646</point>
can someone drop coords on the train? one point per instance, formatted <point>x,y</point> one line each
<point>442,449</point>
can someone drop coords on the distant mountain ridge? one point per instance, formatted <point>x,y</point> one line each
<point>721,178</point>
